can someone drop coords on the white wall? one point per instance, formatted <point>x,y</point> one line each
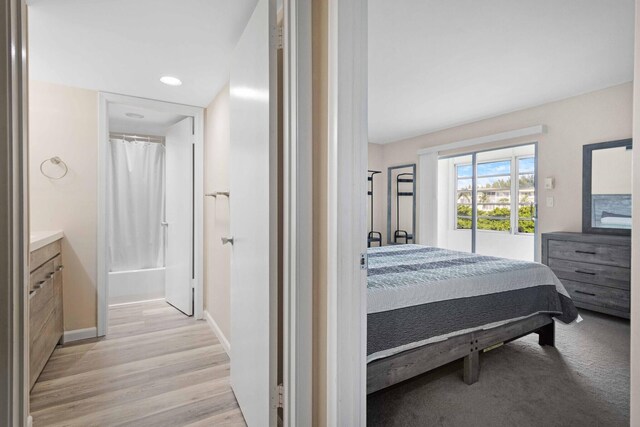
<point>217,257</point>
<point>63,121</point>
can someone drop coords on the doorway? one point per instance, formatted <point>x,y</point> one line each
<point>150,220</point>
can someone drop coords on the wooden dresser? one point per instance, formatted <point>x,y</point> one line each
<point>45,306</point>
<point>595,269</point>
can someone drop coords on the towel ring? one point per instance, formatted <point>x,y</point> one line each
<point>56,161</point>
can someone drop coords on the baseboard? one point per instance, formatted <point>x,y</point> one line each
<point>79,334</point>
<point>216,330</point>
<point>120,304</point>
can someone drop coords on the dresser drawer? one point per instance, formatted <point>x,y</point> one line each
<point>597,274</point>
<point>601,296</point>
<point>590,253</point>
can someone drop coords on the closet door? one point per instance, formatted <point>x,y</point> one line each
<point>179,216</point>
<point>253,218</point>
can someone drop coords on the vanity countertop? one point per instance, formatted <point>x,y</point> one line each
<point>41,239</point>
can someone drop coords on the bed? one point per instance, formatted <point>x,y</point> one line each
<point>429,306</point>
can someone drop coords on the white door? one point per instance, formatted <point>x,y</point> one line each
<point>253,204</point>
<point>179,216</point>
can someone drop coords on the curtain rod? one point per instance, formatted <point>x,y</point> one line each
<point>149,138</point>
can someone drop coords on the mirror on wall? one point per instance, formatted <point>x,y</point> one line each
<point>606,186</point>
<point>401,204</point>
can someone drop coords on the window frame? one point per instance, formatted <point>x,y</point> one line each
<point>514,192</point>
<point>455,191</point>
<point>535,190</point>
<point>510,204</point>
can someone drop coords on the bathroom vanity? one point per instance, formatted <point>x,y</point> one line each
<point>45,300</point>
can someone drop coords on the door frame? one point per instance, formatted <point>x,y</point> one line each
<point>346,210</point>
<point>197,113</point>
<point>298,214</point>
<point>14,214</point>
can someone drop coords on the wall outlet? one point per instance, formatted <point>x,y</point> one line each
<point>549,202</point>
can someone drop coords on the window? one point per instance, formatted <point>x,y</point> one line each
<point>526,195</point>
<point>497,196</point>
<point>494,196</point>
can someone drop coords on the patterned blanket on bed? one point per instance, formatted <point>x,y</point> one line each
<point>421,294</point>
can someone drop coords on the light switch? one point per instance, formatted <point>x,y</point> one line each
<point>549,202</point>
<point>549,183</point>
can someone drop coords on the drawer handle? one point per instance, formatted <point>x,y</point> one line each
<point>591,273</point>
<point>39,284</point>
<point>585,252</point>
<point>60,268</point>
<point>585,293</point>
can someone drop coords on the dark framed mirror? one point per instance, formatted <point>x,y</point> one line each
<point>606,188</point>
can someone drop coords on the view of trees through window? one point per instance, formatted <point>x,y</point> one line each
<point>494,195</point>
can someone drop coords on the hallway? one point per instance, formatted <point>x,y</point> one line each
<point>156,367</point>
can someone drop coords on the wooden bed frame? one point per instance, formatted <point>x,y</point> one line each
<point>399,367</point>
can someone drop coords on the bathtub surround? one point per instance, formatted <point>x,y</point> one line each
<point>136,285</point>
<point>63,121</point>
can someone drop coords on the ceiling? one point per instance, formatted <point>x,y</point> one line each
<point>435,64</point>
<point>125,46</point>
<point>153,123</point>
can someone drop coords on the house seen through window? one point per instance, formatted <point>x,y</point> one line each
<point>500,204</point>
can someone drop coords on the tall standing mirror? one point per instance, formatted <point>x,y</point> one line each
<point>606,188</point>
<point>401,204</point>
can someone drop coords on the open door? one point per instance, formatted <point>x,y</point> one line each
<point>253,218</point>
<point>179,216</point>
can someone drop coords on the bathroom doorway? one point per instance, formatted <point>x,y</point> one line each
<point>150,217</point>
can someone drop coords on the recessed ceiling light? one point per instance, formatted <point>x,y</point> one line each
<point>171,81</point>
<point>134,115</point>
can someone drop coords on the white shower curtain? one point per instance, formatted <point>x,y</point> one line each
<point>136,205</point>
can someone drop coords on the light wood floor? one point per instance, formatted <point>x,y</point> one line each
<point>156,367</point>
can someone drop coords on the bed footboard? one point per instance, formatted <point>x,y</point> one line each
<point>391,370</point>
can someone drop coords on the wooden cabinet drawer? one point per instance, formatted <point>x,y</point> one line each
<point>44,254</point>
<point>590,252</point>
<point>57,294</point>
<point>41,347</point>
<point>40,275</point>
<point>597,274</point>
<point>602,296</point>
<point>45,314</point>
<point>41,305</point>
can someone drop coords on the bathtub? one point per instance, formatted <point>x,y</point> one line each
<point>136,285</point>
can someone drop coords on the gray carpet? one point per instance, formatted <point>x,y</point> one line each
<point>584,381</point>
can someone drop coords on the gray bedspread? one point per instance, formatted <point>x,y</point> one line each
<point>421,294</point>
